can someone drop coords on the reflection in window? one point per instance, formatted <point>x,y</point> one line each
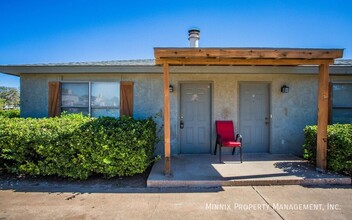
<point>105,112</point>
<point>105,94</point>
<point>342,103</point>
<point>74,95</point>
<point>84,111</point>
<point>103,99</point>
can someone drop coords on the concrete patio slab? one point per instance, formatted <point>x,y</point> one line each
<point>256,170</point>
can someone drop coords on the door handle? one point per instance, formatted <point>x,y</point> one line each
<point>266,121</point>
<point>182,125</point>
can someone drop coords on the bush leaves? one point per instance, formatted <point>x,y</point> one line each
<point>76,146</point>
<point>339,156</point>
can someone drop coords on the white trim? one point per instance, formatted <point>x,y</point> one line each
<point>17,70</point>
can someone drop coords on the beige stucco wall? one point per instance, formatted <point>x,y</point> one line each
<point>291,112</point>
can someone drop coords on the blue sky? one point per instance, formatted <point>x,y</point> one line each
<point>49,31</point>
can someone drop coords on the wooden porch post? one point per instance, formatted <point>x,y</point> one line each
<point>323,111</point>
<point>167,152</point>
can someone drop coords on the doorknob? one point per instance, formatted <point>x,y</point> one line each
<point>266,120</point>
<point>182,125</point>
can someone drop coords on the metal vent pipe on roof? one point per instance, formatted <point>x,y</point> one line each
<point>193,37</point>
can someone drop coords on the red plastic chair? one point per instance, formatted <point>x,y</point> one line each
<point>225,137</point>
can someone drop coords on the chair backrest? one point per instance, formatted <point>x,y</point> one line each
<point>226,130</point>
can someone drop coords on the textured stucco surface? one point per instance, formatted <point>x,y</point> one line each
<point>290,112</point>
<point>34,95</point>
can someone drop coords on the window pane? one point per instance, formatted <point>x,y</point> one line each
<point>74,94</point>
<point>105,112</point>
<point>342,116</point>
<point>342,95</point>
<point>76,110</point>
<point>106,94</point>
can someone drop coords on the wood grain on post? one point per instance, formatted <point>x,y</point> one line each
<point>323,112</point>
<point>167,150</point>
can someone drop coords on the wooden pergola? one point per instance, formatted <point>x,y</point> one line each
<point>251,57</point>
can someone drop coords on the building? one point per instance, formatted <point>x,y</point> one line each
<point>271,94</point>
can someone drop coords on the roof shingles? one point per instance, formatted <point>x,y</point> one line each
<point>137,62</point>
<point>141,62</point>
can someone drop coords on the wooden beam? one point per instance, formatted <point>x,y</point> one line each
<point>244,62</point>
<point>245,53</point>
<point>167,150</point>
<point>323,111</point>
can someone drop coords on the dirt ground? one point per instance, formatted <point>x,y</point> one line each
<point>136,181</point>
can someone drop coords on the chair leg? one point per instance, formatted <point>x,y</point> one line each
<point>216,145</point>
<point>233,151</point>
<point>241,153</point>
<point>220,153</point>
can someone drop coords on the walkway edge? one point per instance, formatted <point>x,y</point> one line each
<point>219,183</point>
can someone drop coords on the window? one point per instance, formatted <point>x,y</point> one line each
<point>342,103</point>
<point>91,98</point>
<point>75,97</point>
<point>105,99</point>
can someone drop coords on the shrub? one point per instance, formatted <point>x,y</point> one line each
<point>10,113</point>
<point>76,146</point>
<point>339,157</point>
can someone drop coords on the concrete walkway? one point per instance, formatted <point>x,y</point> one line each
<point>245,202</point>
<point>257,169</point>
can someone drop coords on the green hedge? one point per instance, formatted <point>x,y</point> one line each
<point>76,146</point>
<point>10,113</point>
<point>339,156</point>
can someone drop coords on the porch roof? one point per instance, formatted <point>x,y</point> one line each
<point>246,56</point>
<point>251,57</point>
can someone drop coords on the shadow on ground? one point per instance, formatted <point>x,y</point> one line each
<point>134,184</point>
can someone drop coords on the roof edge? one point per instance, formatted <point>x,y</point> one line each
<point>17,71</point>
